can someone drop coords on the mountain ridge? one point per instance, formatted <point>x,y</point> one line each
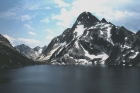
<point>91,41</point>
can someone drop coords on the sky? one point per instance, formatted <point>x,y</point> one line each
<point>37,22</point>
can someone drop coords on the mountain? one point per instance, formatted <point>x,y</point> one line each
<point>91,41</point>
<point>40,50</point>
<point>104,20</point>
<point>29,52</point>
<point>9,57</point>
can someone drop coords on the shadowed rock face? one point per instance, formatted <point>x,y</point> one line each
<point>9,56</point>
<point>91,41</point>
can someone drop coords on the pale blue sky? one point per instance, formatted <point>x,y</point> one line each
<point>36,22</point>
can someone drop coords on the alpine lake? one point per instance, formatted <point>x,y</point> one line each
<point>70,79</point>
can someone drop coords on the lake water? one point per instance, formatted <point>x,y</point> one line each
<point>70,79</point>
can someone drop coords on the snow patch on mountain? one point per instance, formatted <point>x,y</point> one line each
<point>109,35</point>
<point>79,30</point>
<point>76,44</point>
<point>64,43</point>
<point>101,32</point>
<point>125,46</point>
<point>103,56</point>
<point>135,55</point>
<point>40,51</point>
<point>49,54</point>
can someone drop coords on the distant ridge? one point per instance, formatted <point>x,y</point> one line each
<point>31,53</point>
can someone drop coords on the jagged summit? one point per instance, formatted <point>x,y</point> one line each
<point>87,19</point>
<point>37,48</point>
<point>104,20</point>
<point>23,46</point>
<point>87,15</point>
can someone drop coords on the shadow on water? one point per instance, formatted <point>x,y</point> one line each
<point>4,80</point>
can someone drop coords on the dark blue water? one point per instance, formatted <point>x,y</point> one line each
<point>70,79</point>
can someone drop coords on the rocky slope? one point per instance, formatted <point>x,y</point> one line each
<point>9,57</point>
<point>91,41</point>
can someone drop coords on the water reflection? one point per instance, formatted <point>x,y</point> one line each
<point>70,79</point>
<point>4,80</point>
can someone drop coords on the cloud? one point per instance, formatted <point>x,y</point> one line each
<point>51,34</point>
<point>48,7</point>
<point>46,20</point>
<point>33,7</point>
<point>35,15</point>
<point>25,17</point>
<point>61,3</point>
<point>50,37</point>
<point>9,14</point>
<point>32,33</point>
<point>19,8</point>
<point>15,13</point>
<point>29,41</point>
<point>11,39</point>
<point>66,18</point>
<point>119,12</point>
<point>49,31</point>
<point>28,27</point>
<point>38,7</point>
<point>22,40</point>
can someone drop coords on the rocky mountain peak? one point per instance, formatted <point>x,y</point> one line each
<point>87,19</point>
<point>104,20</point>
<point>37,48</point>
<point>23,46</point>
